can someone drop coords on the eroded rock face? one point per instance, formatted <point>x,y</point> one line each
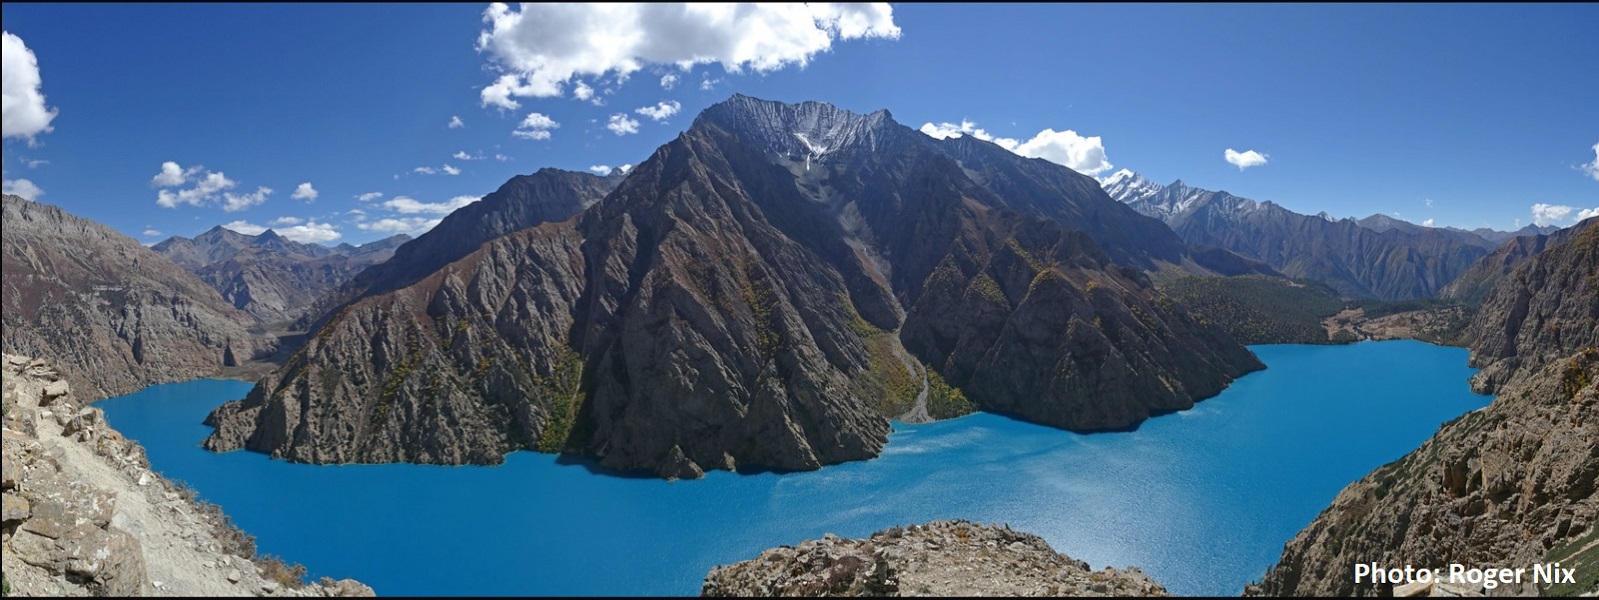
<point>1512,484</point>
<point>83,515</point>
<point>740,300</point>
<point>113,314</point>
<point>941,558</point>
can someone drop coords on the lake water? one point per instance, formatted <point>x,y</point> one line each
<point>1202,500</point>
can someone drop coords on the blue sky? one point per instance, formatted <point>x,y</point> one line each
<point>1468,115</point>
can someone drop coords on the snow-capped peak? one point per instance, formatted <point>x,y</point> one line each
<point>1127,186</point>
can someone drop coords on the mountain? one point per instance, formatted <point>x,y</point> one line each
<point>1355,261</point>
<point>1127,186</point>
<point>549,195</point>
<point>1475,284</point>
<point>273,278</point>
<point>1499,237</point>
<point>1381,222</point>
<point>1509,485</point>
<point>740,301</point>
<point>115,314</point>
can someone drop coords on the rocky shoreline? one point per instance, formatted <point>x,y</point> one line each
<point>85,516</point>
<point>939,558</point>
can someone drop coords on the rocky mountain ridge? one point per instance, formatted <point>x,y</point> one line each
<point>1512,484</point>
<point>114,314</point>
<point>85,516</point>
<point>940,558</point>
<point>1358,262</point>
<point>1473,286</point>
<point>271,277</point>
<point>746,299</point>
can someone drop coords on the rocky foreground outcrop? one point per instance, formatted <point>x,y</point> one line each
<point>941,558</point>
<point>112,313</point>
<point>85,516</point>
<point>1510,485</point>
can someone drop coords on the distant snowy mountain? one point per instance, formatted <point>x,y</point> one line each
<point>1127,186</point>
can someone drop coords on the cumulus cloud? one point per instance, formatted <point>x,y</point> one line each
<point>582,91</point>
<point>1427,223</point>
<point>21,187</point>
<point>536,126</point>
<point>23,114</point>
<point>668,81</point>
<point>237,202</point>
<point>1551,214</point>
<point>369,196</point>
<point>625,168</point>
<point>304,192</point>
<point>501,157</point>
<point>172,175</point>
<point>621,124</point>
<point>1245,159</point>
<point>152,232</point>
<point>541,47</point>
<point>1592,169</point>
<point>1085,155</point>
<point>661,110</point>
<point>309,233</point>
<point>412,226</point>
<point>407,206</point>
<point>245,227</point>
<point>450,170</point>
<point>211,188</point>
<point>425,170</point>
<point>1587,213</point>
<point>286,221</point>
<point>600,169</point>
<point>456,122</point>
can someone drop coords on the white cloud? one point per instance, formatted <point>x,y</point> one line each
<point>1245,159</point>
<point>1428,223</point>
<point>172,175</point>
<point>413,226</point>
<point>661,110</point>
<point>34,163</point>
<point>707,84</point>
<point>369,196</point>
<point>582,91</point>
<point>1592,169</point>
<point>311,232</point>
<point>541,47</point>
<point>1085,155</point>
<point>456,122</point>
<point>207,190</point>
<point>1427,201</point>
<point>23,114</point>
<point>668,81</point>
<point>462,155</point>
<point>245,227</point>
<point>536,126</point>
<point>152,232</point>
<point>450,170</point>
<point>502,157</point>
<point>238,202</point>
<point>405,205</point>
<point>21,187</point>
<point>1553,214</point>
<point>286,221</point>
<point>304,192</point>
<point>621,124</point>
<point>425,170</point>
<point>625,168</point>
<point>600,169</point>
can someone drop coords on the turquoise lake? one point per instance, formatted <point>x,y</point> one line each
<point>1202,500</point>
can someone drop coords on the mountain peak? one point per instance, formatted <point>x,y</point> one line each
<point>806,132</point>
<point>1127,186</point>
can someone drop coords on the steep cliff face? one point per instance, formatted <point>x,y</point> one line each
<point>1396,263</point>
<point>739,300</point>
<point>272,278</point>
<point>116,315</point>
<point>1473,286</point>
<point>547,196</point>
<point>1510,485</point>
